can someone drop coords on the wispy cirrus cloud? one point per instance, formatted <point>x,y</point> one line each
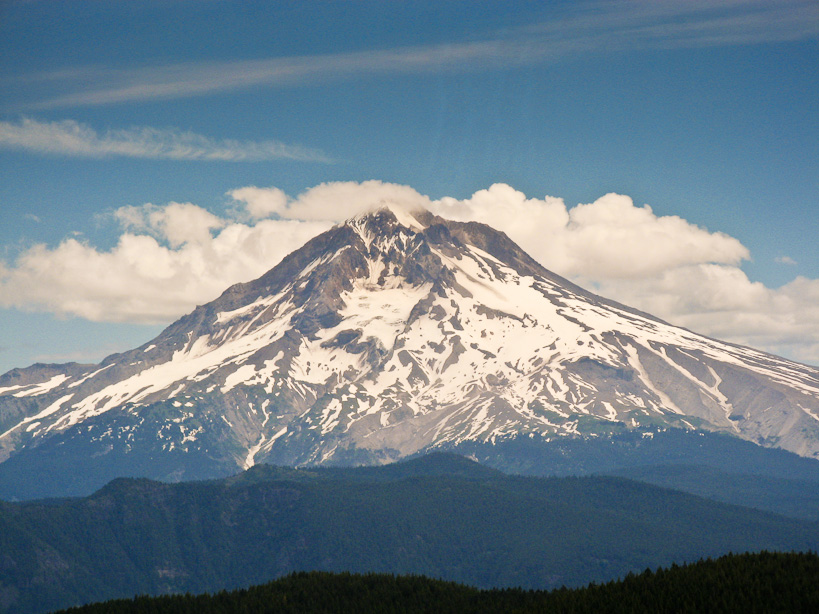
<point>71,138</point>
<point>587,27</point>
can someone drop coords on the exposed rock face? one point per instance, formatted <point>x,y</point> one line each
<point>393,333</point>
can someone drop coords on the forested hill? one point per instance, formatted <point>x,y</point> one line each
<point>763,582</point>
<point>441,516</point>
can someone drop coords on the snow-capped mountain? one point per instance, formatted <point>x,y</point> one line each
<point>394,333</point>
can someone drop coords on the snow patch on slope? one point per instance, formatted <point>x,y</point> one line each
<point>31,390</point>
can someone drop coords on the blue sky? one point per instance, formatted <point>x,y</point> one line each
<point>111,112</point>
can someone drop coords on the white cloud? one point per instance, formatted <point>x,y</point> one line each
<point>333,201</point>
<point>785,260</point>
<point>261,202</point>
<point>609,238</point>
<point>721,302</point>
<point>71,138</point>
<point>151,277</point>
<point>586,27</point>
<point>178,223</point>
<point>170,258</point>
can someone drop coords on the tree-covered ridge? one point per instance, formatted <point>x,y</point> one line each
<point>742,583</point>
<point>440,516</point>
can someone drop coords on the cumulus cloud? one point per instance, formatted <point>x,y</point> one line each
<point>261,202</point>
<point>171,257</point>
<point>333,201</point>
<point>721,302</point>
<point>157,271</point>
<point>609,238</point>
<point>178,223</point>
<point>71,138</point>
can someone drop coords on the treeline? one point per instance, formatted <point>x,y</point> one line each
<point>744,583</point>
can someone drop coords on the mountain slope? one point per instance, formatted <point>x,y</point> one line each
<point>391,334</point>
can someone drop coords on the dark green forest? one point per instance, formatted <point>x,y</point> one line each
<point>747,583</point>
<point>440,516</point>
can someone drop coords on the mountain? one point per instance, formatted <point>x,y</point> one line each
<point>392,334</point>
<point>440,515</point>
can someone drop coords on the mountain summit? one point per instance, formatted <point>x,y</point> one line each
<point>393,333</point>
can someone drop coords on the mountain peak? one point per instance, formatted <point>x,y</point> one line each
<point>404,214</point>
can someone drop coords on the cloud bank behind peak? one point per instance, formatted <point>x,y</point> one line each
<point>169,258</point>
